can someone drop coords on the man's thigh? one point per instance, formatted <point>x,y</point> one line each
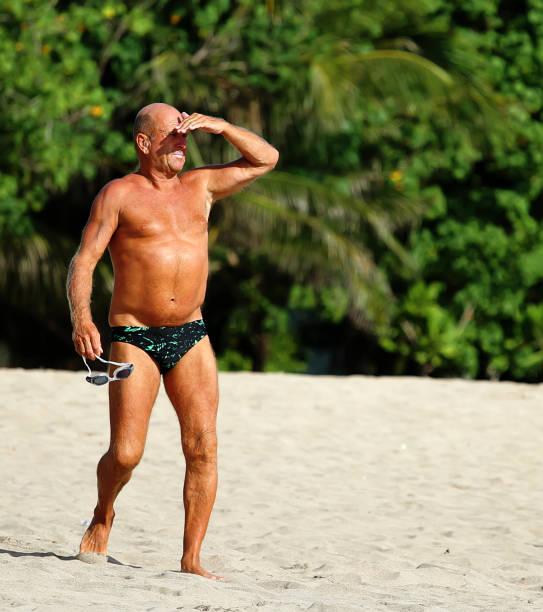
<point>131,400</point>
<point>192,387</point>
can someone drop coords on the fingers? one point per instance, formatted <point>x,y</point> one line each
<point>196,121</point>
<point>87,342</point>
<point>83,347</point>
<point>79,346</point>
<point>89,353</point>
<point>96,344</point>
<point>189,123</point>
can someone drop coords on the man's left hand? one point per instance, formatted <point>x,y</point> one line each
<point>214,125</point>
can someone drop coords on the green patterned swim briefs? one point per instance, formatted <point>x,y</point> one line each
<point>165,344</point>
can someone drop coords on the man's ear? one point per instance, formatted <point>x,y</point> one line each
<point>143,142</point>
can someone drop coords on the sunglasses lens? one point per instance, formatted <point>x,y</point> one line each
<point>124,372</point>
<point>98,379</point>
<point>102,379</point>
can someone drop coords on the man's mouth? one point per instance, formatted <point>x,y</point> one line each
<point>179,153</point>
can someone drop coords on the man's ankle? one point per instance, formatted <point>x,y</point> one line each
<point>103,517</point>
<point>190,559</point>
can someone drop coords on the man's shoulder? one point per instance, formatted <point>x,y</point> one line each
<point>118,189</point>
<point>123,184</point>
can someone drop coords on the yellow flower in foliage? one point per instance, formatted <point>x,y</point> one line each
<point>108,12</point>
<point>19,46</point>
<point>175,19</point>
<point>96,111</point>
<point>46,49</point>
<point>396,176</point>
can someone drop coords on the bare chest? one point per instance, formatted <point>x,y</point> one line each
<point>162,217</point>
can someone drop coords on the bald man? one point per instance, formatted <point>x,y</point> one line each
<point>154,223</point>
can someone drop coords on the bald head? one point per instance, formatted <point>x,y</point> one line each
<point>146,119</point>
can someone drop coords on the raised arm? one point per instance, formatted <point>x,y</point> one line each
<point>258,155</point>
<point>100,228</point>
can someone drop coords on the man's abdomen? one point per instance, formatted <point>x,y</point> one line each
<point>158,284</point>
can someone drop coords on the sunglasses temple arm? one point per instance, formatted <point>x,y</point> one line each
<point>113,362</point>
<point>85,362</point>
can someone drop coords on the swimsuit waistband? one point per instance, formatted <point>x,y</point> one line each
<point>130,328</point>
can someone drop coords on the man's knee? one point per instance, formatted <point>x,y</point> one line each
<point>201,446</point>
<point>125,457</point>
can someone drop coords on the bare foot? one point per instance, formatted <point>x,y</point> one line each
<point>198,570</point>
<point>96,537</point>
<point>92,557</point>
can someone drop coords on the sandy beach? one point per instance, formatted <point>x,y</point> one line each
<point>335,494</point>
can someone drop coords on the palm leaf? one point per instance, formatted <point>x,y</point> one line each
<point>33,273</point>
<point>316,233</point>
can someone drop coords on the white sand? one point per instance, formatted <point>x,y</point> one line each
<point>334,494</point>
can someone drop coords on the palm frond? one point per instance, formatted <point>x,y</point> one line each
<point>317,233</point>
<point>30,269</point>
<point>33,272</point>
<point>340,80</point>
<point>313,250</point>
<point>350,212</point>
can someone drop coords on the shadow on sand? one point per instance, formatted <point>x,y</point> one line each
<point>16,553</point>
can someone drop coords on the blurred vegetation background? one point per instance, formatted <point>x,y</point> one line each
<point>401,232</point>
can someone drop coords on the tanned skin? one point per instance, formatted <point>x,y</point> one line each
<point>154,223</point>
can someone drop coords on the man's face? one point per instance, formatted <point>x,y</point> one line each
<point>168,147</point>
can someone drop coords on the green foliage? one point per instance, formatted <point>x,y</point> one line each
<point>330,303</point>
<point>384,113</point>
<point>479,247</point>
<point>54,108</point>
<point>429,334</point>
<point>256,331</point>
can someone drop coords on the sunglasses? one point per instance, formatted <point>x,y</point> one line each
<point>101,379</point>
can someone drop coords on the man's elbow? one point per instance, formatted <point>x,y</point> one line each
<point>82,263</point>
